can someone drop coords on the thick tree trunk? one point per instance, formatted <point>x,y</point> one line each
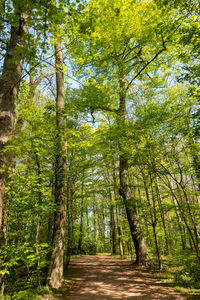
<point>142,256</point>
<point>125,191</point>
<point>57,257</point>
<point>9,87</point>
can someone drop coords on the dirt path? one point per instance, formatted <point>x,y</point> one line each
<point>102,277</point>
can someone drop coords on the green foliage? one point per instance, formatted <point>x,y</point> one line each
<point>134,48</point>
<point>181,271</point>
<point>31,294</point>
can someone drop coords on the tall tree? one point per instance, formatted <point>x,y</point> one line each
<point>58,243</point>
<point>9,88</point>
<point>114,54</point>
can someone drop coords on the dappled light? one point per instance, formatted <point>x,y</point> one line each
<point>103,277</point>
<point>99,149</point>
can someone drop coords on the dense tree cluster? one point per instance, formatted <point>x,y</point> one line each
<point>99,136</point>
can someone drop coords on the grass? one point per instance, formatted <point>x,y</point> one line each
<point>181,271</point>
<point>59,293</point>
<point>31,294</point>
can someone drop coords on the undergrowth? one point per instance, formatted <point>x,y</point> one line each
<point>181,270</point>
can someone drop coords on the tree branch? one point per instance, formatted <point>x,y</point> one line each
<point>103,108</point>
<point>146,65</point>
<point>42,76</point>
<point>4,42</point>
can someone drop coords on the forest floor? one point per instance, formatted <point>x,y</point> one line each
<point>102,277</point>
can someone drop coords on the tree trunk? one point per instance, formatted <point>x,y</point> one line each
<point>9,87</point>
<point>79,249</point>
<point>112,229</point>
<point>153,214</point>
<point>160,204</point>
<point>112,216</point>
<point>132,215</point>
<point>120,232</point>
<point>195,159</point>
<point>69,220</point>
<point>185,220</point>
<point>95,221</point>
<point>181,229</point>
<point>57,257</point>
<point>118,214</point>
<point>125,191</point>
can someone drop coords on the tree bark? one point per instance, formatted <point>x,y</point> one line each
<point>69,219</point>
<point>112,215</point>
<point>185,219</point>
<point>125,191</point>
<point>9,87</point>
<point>58,243</point>
<point>118,213</point>
<point>112,229</point>
<point>79,249</point>
<point>95,221</point>
<point>120,231</point>
<point>153,215</point>
<point>193,145</point>
<point>160,204</point>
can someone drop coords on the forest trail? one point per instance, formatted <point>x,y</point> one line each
<point>102,277</point>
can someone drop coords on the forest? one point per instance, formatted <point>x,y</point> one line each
<point>99,139</point>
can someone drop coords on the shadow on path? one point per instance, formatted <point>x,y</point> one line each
<point>102,277</point>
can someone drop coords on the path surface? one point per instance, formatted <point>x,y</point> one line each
<point>102,277</point>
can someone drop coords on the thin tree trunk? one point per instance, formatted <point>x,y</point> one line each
<point>154,223</point>
<point>181,228</point>
<point>95,221</point>
<point>9,87</point>
<point>159,198</point>
<point>118,214</point>
<point>153,219</point>
<point>112,229</point>
<point>195,159</point>
<point>38,224</point>
<point>79,249</point>
<point>102,228</point>
<point>58,243</point>
<point>112,216</point>
<point>69,237</point>
<point>185,220</point>
<point>190,214</point>
<point>120,232</point>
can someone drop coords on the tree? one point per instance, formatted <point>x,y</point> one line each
<point>10,82</point>
<point>113,53</point>
<point>58,243</point>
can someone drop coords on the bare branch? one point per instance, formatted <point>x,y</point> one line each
<point>42,76</point>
